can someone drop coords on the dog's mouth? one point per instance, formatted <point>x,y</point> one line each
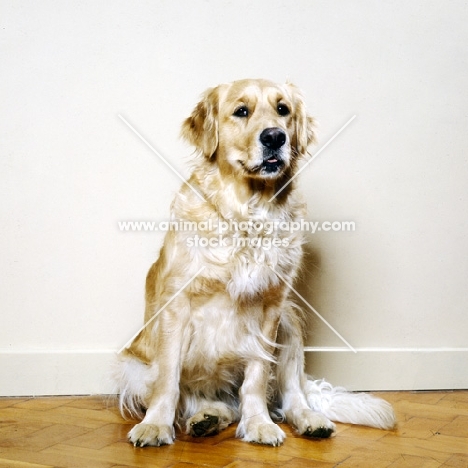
<point>270,166</point>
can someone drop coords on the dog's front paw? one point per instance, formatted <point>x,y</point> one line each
<point>315,425</point>
<point>151,434</point>
<point>264,433</point>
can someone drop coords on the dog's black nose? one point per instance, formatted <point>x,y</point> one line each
<point>273,138</point>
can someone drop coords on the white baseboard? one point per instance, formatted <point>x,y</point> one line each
<point>61,372</point>
<point>55,373</point>
<point>390,368</point>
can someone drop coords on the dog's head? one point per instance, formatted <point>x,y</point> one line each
<point>252,128</point>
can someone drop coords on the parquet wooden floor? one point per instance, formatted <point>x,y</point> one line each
<point>89,432</point>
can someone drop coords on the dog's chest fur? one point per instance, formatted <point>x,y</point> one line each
<point>250,248</point>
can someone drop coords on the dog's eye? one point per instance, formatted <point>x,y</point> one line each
<point>283,109</point>
<point>241,112</point>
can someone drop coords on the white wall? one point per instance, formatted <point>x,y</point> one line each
<point>72,284</point>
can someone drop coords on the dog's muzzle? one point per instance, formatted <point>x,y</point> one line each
<point>272,140</point>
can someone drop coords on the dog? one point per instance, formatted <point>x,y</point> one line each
<point>223,340</point>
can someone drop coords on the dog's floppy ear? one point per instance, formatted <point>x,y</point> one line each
<point>201,128</point>
<point>305,124</point>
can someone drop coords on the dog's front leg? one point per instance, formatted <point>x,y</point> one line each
<point>256,424</point>
<point>157,427</point>
<point>291,382</point>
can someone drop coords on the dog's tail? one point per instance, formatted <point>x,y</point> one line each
<point>339,405</point>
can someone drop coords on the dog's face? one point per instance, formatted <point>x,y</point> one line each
<point>251,128</point>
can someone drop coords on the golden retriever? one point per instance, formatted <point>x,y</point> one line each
<point>223,341</point>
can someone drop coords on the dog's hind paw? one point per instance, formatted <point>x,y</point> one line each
<point>209,425</point>
<point>151,434</point>
<point>210,421</point>
<point>311,424</point>
<point>319,432</point>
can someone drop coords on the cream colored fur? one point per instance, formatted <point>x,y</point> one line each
<point>229,346</point>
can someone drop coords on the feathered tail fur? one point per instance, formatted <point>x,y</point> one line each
<point>339,405</point>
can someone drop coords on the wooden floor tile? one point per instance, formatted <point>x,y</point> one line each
<point>409,461</point>
<point>421,428</point>
<point>457,428</point>
<point>43,404</point>
<point>457,461</point>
